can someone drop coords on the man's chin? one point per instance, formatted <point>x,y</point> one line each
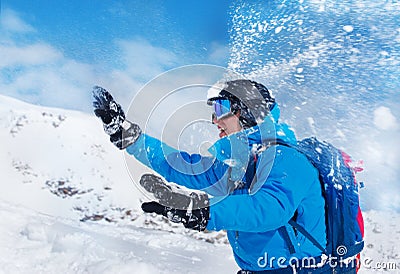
<point>222,134</point>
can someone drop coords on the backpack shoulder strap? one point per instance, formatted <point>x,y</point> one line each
<point>285,235</point>
<point>292,221</point>
<point>274,142</point>
<point>307,235</point>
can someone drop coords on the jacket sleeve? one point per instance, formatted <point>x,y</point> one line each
<point>282,189</point>
<point>190,170</point>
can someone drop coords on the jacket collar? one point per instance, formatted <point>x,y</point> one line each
<point>237,147</point>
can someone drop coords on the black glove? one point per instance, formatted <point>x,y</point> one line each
<point>195,219</point>
<point>190,209</point>
<point>174,198</point>
<point>122,132</point>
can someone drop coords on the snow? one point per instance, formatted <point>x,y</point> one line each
<point>349,55</point>
<point>69,205</point>
<point>33,242</point>
<point>215,89</point>
<point>348,28</point>
<point>278,29</point>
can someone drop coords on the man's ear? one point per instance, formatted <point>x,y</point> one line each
<point>237,114</point>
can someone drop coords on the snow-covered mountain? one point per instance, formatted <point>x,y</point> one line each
<point>68,204</point>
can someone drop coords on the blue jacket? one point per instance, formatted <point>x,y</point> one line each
<point>250,211</point>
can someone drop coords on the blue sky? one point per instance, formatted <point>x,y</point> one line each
<point>87,29</point>
<point>54,50</point>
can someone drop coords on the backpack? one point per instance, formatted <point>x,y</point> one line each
<point>344,221</point>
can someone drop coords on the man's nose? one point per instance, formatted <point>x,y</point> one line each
<point>214,119</point>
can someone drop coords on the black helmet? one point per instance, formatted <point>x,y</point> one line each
<point>252,99</point>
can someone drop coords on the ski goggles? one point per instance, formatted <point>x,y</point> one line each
<point>222,108</point>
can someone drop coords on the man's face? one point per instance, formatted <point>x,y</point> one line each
<point>228,124</point>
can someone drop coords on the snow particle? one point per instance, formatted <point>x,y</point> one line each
<point>348,28</point>
<point>278,29</point>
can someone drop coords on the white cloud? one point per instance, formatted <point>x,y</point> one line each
<point>41,74</point>
<point>218,53</point>
<point>384,119</point>
<point>29,55</point>
<point>141,59</point>
<point>10,21</point>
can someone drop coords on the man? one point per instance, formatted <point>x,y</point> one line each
<point>257,181</point>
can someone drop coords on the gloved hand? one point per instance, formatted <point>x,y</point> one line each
<point>195,219</point>
<point>172,197</point>
<point>190,209</point>
<point>122,132</point>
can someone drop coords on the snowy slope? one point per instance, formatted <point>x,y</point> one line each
<point>68,205</point>
<point>46,150</point>
<point>32,242</point>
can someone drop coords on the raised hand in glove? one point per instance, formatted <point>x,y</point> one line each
<point>192,210</point>
<point>122,132</point>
